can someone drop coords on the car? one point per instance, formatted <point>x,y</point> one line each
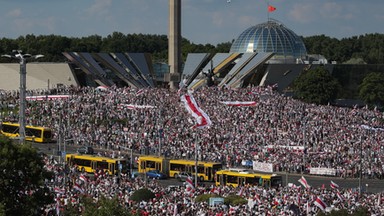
<point>85,150</point>
<point>136,174</point>
<point>156,174</point>
<point>182,176</point>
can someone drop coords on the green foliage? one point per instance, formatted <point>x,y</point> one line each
<point>22,190</point>
<point>104,207</point>
<point>367,47</point>
<point>316,86</point>
<point>355,61</point>
<point>371,90</point>
<point>344,212</point>
<point>142,194</point>
<point>234,200</point>
<point>205,197</point>
<point>2,209</point>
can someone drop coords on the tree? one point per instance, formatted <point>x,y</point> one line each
<point>316,86</point>
<point>371,90</point>
<point>22,190</point>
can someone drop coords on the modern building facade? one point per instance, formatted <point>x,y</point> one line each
<point>265,54</point>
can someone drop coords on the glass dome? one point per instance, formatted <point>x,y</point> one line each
<point>271,36</point>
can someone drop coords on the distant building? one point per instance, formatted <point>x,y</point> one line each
<point>265,54</point>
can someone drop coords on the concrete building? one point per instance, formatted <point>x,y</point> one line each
<point>265,54</point>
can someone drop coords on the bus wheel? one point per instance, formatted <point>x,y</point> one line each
<point>201,178</point>
<point>176,176</point>
<point>82,169</point>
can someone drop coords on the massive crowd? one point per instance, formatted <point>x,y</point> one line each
<point>287,133</point>
<point>151,119</point>
<point>70,186</point>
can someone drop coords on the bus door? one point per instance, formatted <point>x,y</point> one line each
<point>158,166</point>
<point>266,183</point>
<point>221,179</point>
<point>190,169</point>
<point>241,181</point>
<point>111,168</point>
<point>208,173</point>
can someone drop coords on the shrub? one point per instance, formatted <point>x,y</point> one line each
<point>234,200</point>
<point>142,194</point>
<point>205,197</point>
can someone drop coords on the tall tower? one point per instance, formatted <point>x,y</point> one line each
<point>174,42</point>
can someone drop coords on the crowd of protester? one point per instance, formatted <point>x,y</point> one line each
<point>71,185</point>
<point>291,135</point>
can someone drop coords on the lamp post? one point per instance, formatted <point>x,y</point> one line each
<point>304,145</point>
<point>22,58</point>
<point>360,165</point>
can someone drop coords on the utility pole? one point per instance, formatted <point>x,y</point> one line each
<point>360,165</point>
<point>304,144</point>
<point>196,159</point>
<point>22,58</point>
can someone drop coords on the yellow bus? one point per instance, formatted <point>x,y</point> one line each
<point>92,163</point>
<point>237,178</point>
<point>172,167</point>
<point>32,133</point>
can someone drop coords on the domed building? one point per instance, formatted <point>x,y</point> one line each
<point>271,36</point>
<point>265,54</point>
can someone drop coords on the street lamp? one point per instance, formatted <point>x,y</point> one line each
<point>22,58</point>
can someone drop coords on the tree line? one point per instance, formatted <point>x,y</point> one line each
<point>367,48</point>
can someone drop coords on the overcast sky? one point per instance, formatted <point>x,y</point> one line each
<point>203,21</point>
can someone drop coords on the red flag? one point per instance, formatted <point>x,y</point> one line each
<point>271,8</point>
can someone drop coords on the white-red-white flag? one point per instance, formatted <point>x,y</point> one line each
<point>83,178</point>
<point>139,92</point>
<point>320,203</point>
<point>340,196</point>
<point>334,185</point>
<point>304,182</point>
<point>78,188</point>
<point>257,198</point>
<point>215,190</point>
<point>200,116</point>
<point>189,183</point>
<point>241,192</point>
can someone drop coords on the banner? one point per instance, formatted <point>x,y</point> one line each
<point>262,167</point>
<point>322,171</point>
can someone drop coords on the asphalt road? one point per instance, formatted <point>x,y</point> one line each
<point>368,185</point>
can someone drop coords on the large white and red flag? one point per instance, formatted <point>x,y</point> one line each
<point>320,203</point>
<point>83,178</point>
<point>78,188</point>
<point>200,116</point>
<point>304,182</point>
<point>241,192</point>
<point>189,183</point>
<point>334,185</point>
<point>239,103</point>
<point>340,196</point>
